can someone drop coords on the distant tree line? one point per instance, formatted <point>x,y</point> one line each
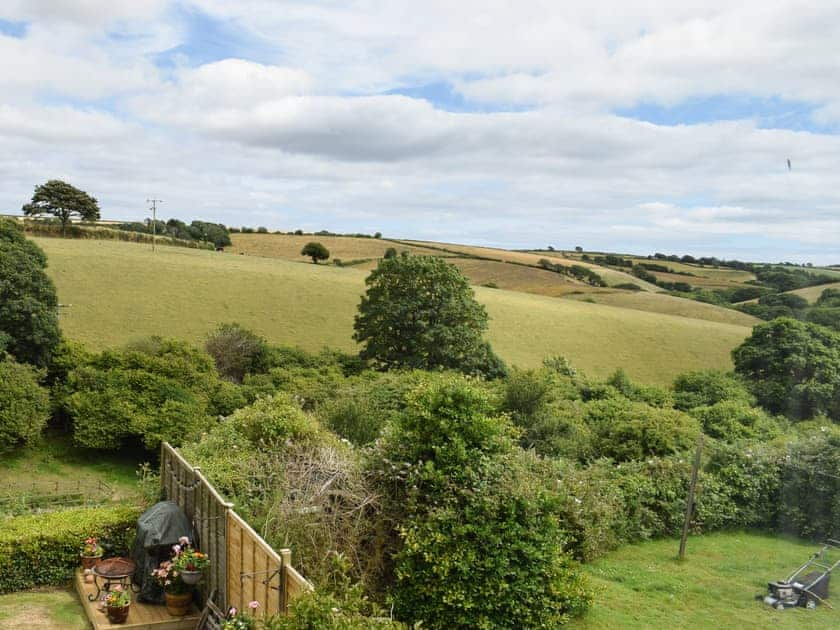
<point>584,274</point>
<point>215,233</point>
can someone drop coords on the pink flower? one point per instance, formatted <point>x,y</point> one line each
<point>118,587</point>
<point>254,605</point>
<point>184,540</point>
<point>232,611</point>
<point>176,548</point>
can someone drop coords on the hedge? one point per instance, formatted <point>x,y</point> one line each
<point>43,549</point>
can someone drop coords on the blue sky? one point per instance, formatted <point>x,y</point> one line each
<point>521,124</point>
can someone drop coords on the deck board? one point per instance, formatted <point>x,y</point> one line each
<point>140,617</point>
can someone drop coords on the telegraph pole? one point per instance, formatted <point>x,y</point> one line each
<point>154,203</point>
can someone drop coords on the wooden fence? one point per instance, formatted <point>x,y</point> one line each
<point>243,567</point>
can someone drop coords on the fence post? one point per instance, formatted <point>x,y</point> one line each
<point>689,503</point>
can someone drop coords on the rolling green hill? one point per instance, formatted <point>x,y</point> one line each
<point>113,292</point>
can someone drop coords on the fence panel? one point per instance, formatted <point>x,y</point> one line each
<point>204,507</point>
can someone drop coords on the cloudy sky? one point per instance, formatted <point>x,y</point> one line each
<point>617,125</point>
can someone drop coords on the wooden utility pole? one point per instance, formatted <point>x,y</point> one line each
<point>154,203</point>
<point>689,503</point>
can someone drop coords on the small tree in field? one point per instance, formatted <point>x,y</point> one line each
<point>315,251</point>
<point>63,201</point>
<point>420,312</point>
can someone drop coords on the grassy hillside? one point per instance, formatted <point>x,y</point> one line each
<point>288,246</point>
<point>644,586</point>
<point>812,293</point>
<point>670,305</point>
<point>115,292</point>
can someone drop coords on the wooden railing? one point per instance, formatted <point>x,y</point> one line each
<point>243,567</point>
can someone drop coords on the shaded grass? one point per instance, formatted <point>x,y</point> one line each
<point>56,460</point>
<point>44,608</point>
<point>645,586</point>
<point>117,292</point>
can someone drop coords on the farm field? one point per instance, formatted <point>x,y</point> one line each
<point>813,293</point>
<point>670,305</point>
<point>611,276</point>
<point>288,246</point>
<point>645,586</point>
<point>114,292</point>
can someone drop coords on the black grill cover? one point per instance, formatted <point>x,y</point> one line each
<point>158,528</point>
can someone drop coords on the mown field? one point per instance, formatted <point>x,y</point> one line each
<point>670,305</point>
<point>288,246</point>
<point>812,293</point>
<point>645,586</point>
<point>114,292</point>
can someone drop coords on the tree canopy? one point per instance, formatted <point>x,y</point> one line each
<point>28,303</point>
<point>316,251</point>
<point>792,367</point>
<point>420,312</point>
<point>63,201</point>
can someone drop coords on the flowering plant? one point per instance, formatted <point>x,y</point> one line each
<point>91,548</point>
<point>237,620</point>
<point>169,578</point>
<point>185,558</point>
<point>118,597</point>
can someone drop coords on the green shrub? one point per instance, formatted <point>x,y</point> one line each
<point>156,389</point>
<point>237,351</point>
<point>227,398</point>
<point>709,387</point>
<point>324,611</point>
<point>654,396</point>
<point>625,430</point>
<point>274,420</point>
<point>43,549</point>
<point>24,405</point>
<point>733,420</point>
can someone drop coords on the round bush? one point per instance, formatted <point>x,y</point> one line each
<point>24,405</point>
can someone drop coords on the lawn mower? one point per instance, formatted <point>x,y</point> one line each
<point>808,585</point>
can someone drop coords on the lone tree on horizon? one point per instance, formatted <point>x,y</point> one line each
<point>315,251</point>
<point>63,201</point>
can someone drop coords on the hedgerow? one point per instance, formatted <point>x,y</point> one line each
<point>43,549</point>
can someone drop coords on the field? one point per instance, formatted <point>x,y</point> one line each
<point>812,293</point>
<point>288,246</point>
<point>645,586</point>
<point>114,292</point>
<point>611,276</point>
<point>670,305</point>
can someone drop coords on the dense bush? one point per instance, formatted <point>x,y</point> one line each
<point>734,420</point>
<point>237,351</point>
<point>455,485</point>
<point>28,302</point>
<point>274,420</point>
<point>43,549</point>
<point>709,387</point>
<point>156,390</point>
<point>24,404</point>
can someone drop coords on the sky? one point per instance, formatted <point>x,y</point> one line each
<point>625,126</point>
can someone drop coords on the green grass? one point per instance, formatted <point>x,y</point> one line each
<point>116,292</point>
<point>813,293</point>
<point>55,460</point>
<point>57,609</point>
<point>645,586</point>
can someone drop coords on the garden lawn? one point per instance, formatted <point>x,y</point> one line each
<point>645,586</point>
<point>47,609</point>
<point>114,292</point>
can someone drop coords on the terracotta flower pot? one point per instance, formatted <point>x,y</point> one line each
<point>191,577</point>
<point>117,614</point>
<point>178,605</point>
<point>88,562</point>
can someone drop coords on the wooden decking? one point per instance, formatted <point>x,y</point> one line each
<point>140,617</point>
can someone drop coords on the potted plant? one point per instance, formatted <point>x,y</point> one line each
<point>91,553</point>
<point>237,620</point>
<point>178,593</point>
<point>117,603</point>
<point>189,562</point>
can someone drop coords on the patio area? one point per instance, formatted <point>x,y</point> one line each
<point>141,616</point>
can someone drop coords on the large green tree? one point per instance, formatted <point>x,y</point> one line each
<point>63,201</point>
<point>28,303</point>
<point>420,312</point>
<point>316,251</point>
<point>792,367</point>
